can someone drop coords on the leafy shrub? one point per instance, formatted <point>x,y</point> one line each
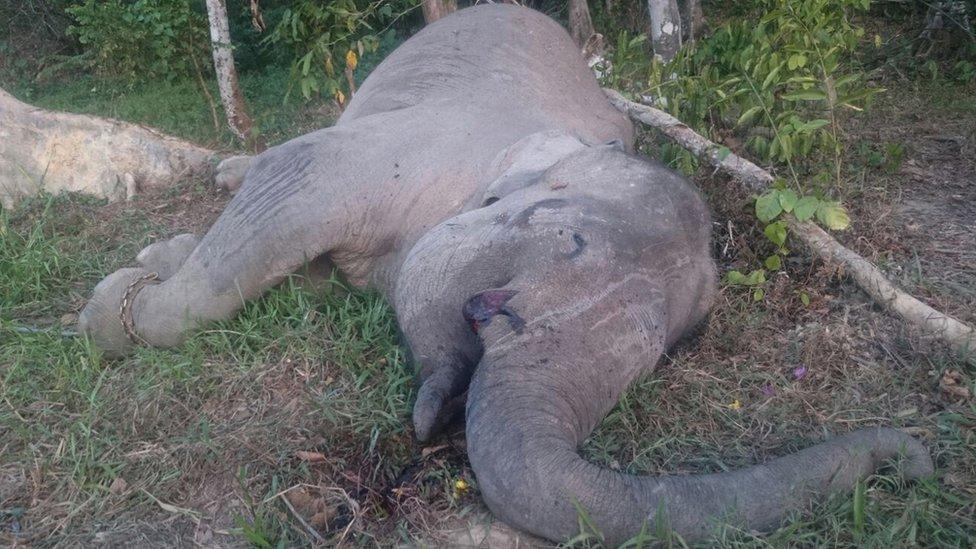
<point>779,80</point>
<point>144,39</point>
<point>777,83</point>
<point>328,38</point>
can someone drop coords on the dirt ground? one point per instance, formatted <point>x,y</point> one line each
<point>928,228</point>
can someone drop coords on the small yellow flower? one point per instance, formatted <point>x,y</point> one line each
<point>735,405</point>
<point>351,60</point>
<point>340,97</point>
<point>460,486</point>
<point>877,40</point>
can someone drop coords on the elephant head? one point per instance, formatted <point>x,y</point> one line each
<point>544,305</point>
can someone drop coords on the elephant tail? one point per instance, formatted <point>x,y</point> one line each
<point>524,429</point>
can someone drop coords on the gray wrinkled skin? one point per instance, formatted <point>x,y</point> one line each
<point>481,180</point>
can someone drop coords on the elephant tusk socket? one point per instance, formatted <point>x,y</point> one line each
<point>957,334</point>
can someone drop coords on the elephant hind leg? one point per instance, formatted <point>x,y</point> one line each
<point>278,221</point>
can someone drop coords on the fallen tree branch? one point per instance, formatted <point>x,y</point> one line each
<point>957,334</point>
<point>57,151</point>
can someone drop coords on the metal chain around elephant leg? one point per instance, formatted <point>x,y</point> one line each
<point>125,308</point>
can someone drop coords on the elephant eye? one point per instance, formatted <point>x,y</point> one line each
<point>489,201</point>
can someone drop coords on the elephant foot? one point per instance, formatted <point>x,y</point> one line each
<point>167,256</point>
<point>113,315</point>
<point>230,172</point>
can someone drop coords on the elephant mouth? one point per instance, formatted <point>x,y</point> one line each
<point>480,308</point>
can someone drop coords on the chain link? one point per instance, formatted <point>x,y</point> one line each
<point>125,309</point>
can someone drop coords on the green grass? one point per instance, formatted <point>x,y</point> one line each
<point>300,369</point>
<point>180,108</point>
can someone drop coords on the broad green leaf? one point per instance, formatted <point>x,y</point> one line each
<point>756,278</point>
<point>833,215</point>
<point>805,298</point>
<point>774,262</point>
<point>786,144</point>
<point>771,76</point>
<point>787,199</point>
<point>806,207</point>
<point>758,294</point>
<point>776,233</point>
<point>735,277</point>
<point>796,61</point>
<point>813,94</point>
<point>768,207</point>
<point>748,116</point>
<point>801,80</point>
<point>812,125</point>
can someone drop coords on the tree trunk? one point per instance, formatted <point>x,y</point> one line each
<point>580,24</point>
<point>230,92</point>
<point>55,151</point>
<point>435,9</point>
<point>665,28</point>
<point>692,19</point>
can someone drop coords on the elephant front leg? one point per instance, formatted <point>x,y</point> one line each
<point>444,295</point>
<point>278,221</point>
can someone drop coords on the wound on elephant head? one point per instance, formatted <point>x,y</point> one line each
<point>480,308</point>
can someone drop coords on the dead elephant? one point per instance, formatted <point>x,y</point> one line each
<point>481,180</point>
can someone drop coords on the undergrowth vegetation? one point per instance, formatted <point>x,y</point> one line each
<point>774,84</point>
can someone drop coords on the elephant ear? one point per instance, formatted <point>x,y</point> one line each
<point>524,162</point>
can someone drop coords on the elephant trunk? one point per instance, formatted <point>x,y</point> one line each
<point>526,418</point>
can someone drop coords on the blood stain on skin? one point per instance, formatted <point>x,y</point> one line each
<point>481,308</point>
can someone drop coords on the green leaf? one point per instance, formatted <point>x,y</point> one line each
<point>797,60</point>
<point>859,504</point>
<point>774,263</point>
<point>723,153</point>
<point>801,80</point>
<point>758,294</point>
<point>813,94</point>
<point>755,278</point>
<point>748,116</point>
<point>776,233</point>
<point>805,299</point>
<point>812,125</point>
<point>806,207</point>
<point>833,215</point>
<point>768,207</point>
<point>771,76</point>
<point>787,199</point>
<point>735,277</point>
